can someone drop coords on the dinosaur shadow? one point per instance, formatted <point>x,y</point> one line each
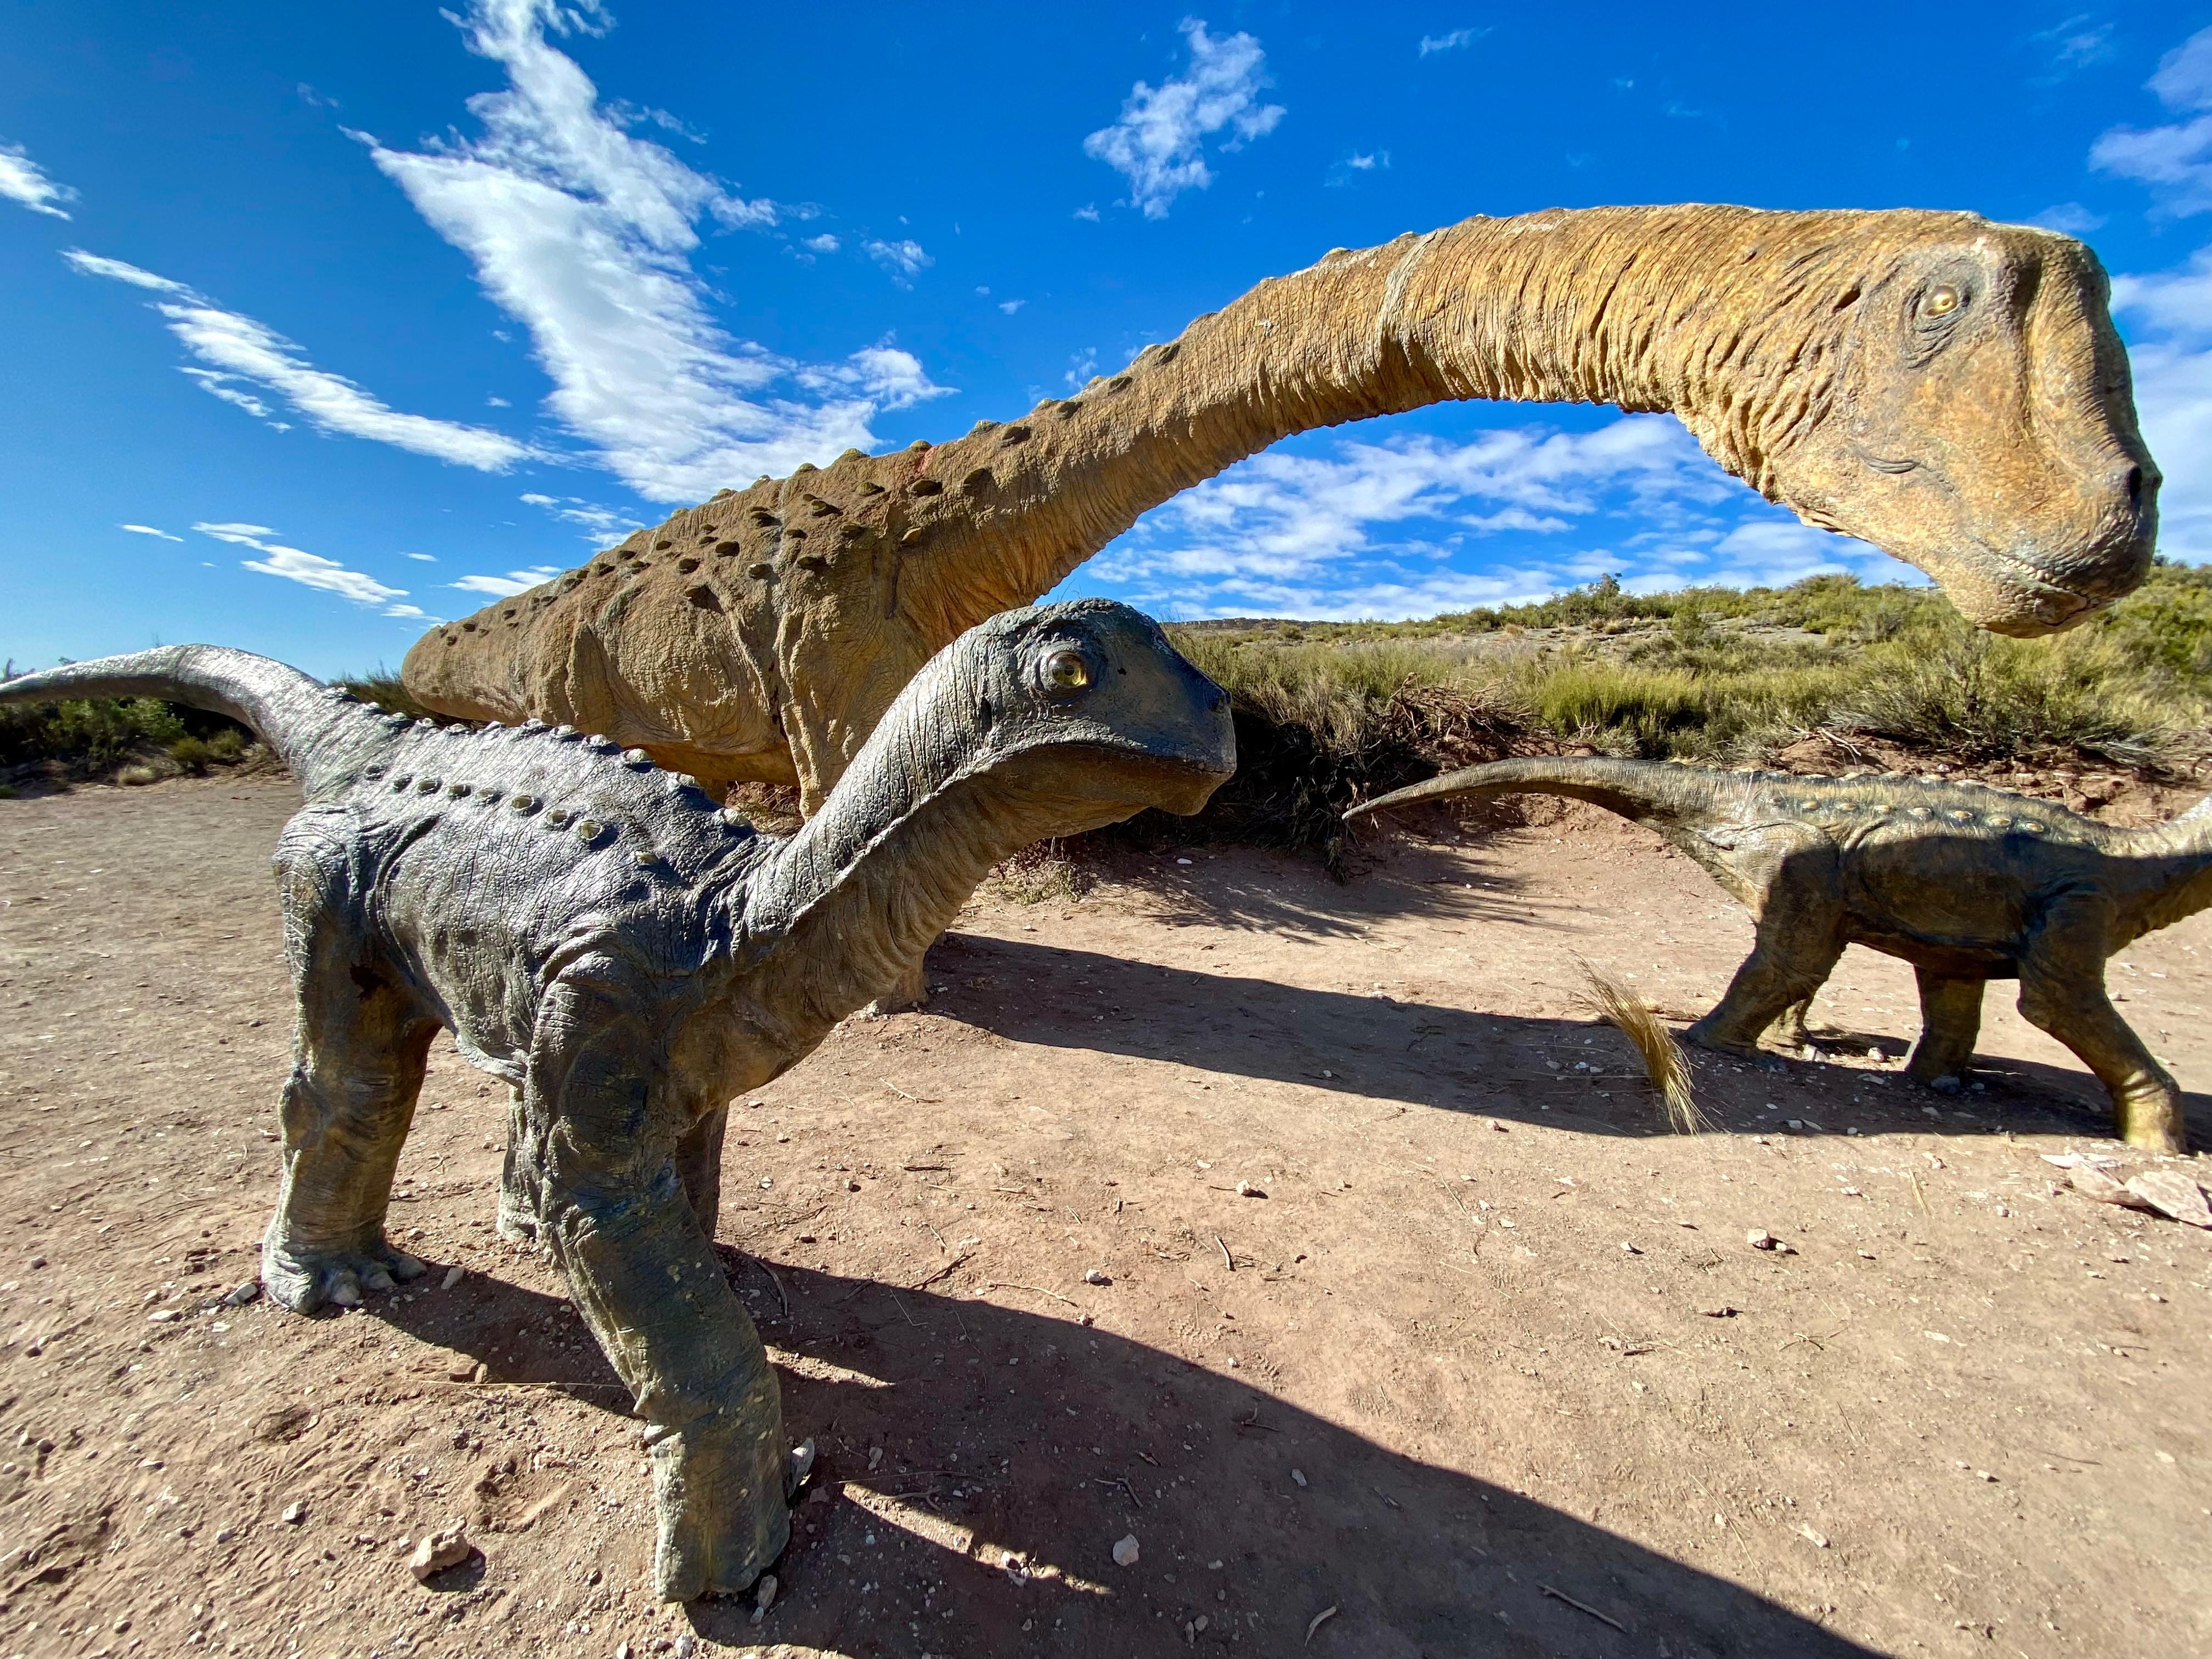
<point>1285,894</point>
<point>1011,1434</point>
<point>1427,1054</point>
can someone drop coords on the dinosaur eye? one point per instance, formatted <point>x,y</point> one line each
<point>1066,670</point>
<point>1941,302</point>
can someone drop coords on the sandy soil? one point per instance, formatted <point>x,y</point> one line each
<point>1489,1370</point>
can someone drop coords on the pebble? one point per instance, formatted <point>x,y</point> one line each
<point>454,1275</point>
<point>295,1512</point>
<point>1298,1475</point>
<point>1096,1276</point>
<point>244,1293</point>
<point>1759,1239</point>
<point>763,1596</point>
<point>1125,1551</point>
<point>1250,1189</point>
<point>448,1547</point>
<point>686,1645</point>
<point>161,1315</point>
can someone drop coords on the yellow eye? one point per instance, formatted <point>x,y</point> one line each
<point>1941,302</point>
<point>1066,670</point>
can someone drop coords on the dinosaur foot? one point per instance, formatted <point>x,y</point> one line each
<point>305,1281</point>
<point>725,1492</point>
<point>1749,1053</point>
<point>2153,1125</point>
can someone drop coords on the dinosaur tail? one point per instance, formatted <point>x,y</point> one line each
<point>314,727</point>
<point>1646,791</point>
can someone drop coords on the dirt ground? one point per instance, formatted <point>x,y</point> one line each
<point>1489,1370</point>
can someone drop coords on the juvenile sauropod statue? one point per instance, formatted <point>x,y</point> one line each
<point>1949,389</point>
<point>629,957</point>
<point>1966,883</point>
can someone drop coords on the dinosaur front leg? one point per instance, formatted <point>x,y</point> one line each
<point>649,1286</point>
<point>1950,1020</point>
<point>2062,989</point>
<point>2070,1004</point>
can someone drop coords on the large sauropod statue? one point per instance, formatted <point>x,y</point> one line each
<point>1966,883</point>
<point>628,955</point>
<point>1949,389</point>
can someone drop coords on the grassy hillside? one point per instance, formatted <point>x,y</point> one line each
<point>1328,712</point>
<point>1331,712</point>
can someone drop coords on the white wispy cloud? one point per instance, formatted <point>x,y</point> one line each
<point>236,352</point>
<point>2168,316</point>
<point>148,530</point>
<point>22,179</point>
<point>311,569</point>
<point>1157,143</point>
<point>1458,38</point>
<point>424,558</point>
<point>583,233</point>
<point>515,581</point>
<point>1373,529</point>
<point>2073,43</point>
<point>602,524</point>
<point>2175,160</point>
<point>904,258</point>
<point>1010,306</point>
<point>2069,217</point>
<point>825,243</point>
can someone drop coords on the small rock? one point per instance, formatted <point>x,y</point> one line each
<point>1125,1551</point>
<point>161,1315</point>
<point>1816,1540</point>
<point>448,1547</point>
<point>295,1512</point>
<point>454,1275</point>
<point>1299,1476</point>
<point>1249,1189</point>
<point>482,1372</point>
<point>1759,1239</point>
<point>686,1645</point>
<point>1629,1250</point>
<point>244,1293</point>
<point>1723,1311</point>
<point>763,1596</point>
<point>1096,1276</point>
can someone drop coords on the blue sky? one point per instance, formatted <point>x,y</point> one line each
<point>322,321</point>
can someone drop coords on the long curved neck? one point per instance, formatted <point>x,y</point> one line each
<point>1712,312</point>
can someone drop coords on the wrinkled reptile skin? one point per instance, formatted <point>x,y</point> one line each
<point>1967,884</point>
<point>629,957</point>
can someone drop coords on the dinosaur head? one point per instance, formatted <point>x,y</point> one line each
<point>1979,420</point>
<point>1087,701</point>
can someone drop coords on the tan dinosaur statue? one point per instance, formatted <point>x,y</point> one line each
<point>1948,389</point>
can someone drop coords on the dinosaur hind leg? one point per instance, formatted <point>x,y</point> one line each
<point>1797,949</point>
<point>358,1058</point>
<point>1950,1020</point>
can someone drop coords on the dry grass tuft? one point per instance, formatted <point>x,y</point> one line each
<point>1664,1063</point>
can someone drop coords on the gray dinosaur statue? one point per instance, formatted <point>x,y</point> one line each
<point>1966,883</point>
<point>629,957</point>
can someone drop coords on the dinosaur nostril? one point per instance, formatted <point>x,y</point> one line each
<point>2135,488</point>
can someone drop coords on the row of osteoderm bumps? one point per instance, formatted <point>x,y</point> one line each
<point>1846,807</point>
<point>684,789</point>
<point>775,525</point>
